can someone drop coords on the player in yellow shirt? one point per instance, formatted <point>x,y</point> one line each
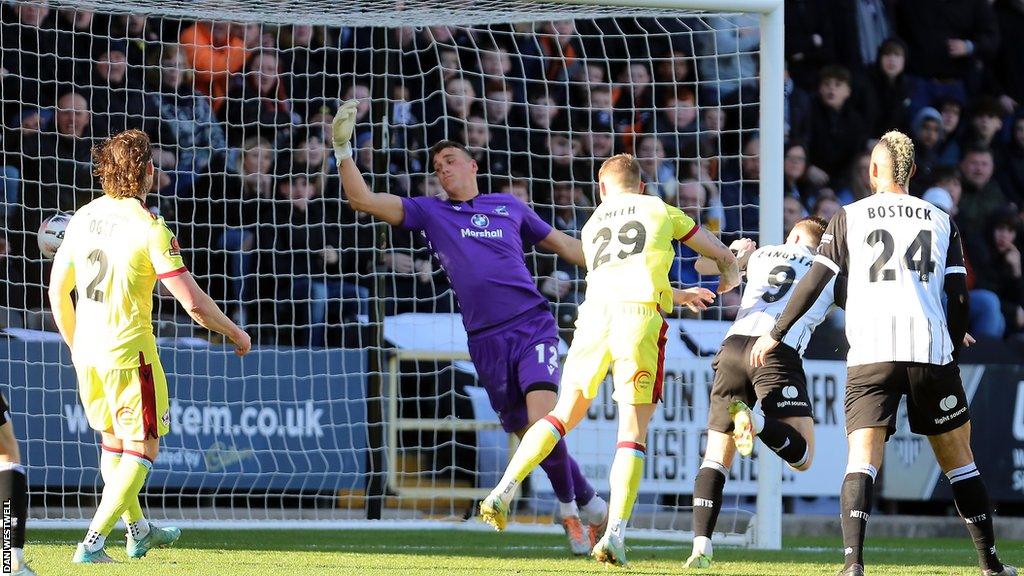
<point>114,250</point>
<point>628,247</point>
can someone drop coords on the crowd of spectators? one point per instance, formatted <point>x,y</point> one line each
<point>239,115</point>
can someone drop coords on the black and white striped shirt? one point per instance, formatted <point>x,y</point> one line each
<point>772,273</point>
<point>893,252</point>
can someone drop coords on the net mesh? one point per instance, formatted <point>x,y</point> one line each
<point>390,13</point>
<point>318,423</point>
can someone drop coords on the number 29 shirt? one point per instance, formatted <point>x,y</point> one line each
<point>628,247</point>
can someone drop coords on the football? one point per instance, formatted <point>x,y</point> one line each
<point>51,234</point>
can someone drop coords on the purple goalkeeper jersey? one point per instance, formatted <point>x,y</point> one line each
<point>480,246</point>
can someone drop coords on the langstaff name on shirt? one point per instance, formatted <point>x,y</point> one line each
<point>785,256</point>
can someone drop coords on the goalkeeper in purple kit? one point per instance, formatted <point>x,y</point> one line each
<point>513,338</point>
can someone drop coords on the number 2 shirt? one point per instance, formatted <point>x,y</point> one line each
<point>118,250</point>
<point>627,243</point>
<point>772,272</point>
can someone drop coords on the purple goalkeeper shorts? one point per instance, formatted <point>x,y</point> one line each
<point>513,359</point>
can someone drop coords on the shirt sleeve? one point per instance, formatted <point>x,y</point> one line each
<point>415,217</point>
<point>832,251</point>
<point>683,227</point>
<point>164,251</point>
<point>955,252</point>
<point>807,292</point>
<point>532,228</point>
<point>63,257</point>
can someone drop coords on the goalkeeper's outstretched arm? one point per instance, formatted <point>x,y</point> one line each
<point>384,206</point>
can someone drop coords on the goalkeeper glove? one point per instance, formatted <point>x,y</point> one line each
<point>341,130</point>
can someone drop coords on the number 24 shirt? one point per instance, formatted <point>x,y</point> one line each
<point>895,252</point>
<point>627,243</point>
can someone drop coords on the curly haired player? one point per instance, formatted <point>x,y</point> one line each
<point>114,250</point>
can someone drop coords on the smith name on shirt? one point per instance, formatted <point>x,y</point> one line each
<point>620,212</point>
<point>900,211</point>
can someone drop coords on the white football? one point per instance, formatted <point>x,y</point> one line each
<point>51,234</point>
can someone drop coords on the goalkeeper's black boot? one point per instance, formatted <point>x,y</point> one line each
<point>855,570</point>
<point>1006,571</point>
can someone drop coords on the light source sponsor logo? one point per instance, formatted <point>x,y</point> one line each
<point>948,403</point>
<point>951,415</point>
<point>790,393</point>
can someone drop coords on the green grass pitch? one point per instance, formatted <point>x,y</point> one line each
<point>412,553</point>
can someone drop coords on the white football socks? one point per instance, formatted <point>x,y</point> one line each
<point>506,491</point>
<point>596,510</point>
<point>94,541</point>
<point>702,545</point>
<point>617,530</point>
<point>568,509</point>
<point>139,530</point>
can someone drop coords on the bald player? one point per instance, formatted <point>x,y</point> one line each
<point>898,256</point>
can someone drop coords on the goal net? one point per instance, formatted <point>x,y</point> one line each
<point>360,400</point>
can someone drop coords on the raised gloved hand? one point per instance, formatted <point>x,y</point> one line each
<point>341,129</point>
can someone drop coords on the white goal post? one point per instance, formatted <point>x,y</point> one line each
<point>284,420</point>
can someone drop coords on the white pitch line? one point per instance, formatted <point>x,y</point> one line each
<point>527,548</point>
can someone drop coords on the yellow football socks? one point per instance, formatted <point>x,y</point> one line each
<point>109,461</point>
<point>121,491</point>
<point>624,478</point>
<point>535,446</point>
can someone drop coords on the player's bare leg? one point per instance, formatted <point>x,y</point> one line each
<point>707,496</point>
<point>624,477</point>
<point>792,438</point>
<point>953,452</point>
<point>14,488</point>
<point>536,444</point>
<point>866,448</point>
